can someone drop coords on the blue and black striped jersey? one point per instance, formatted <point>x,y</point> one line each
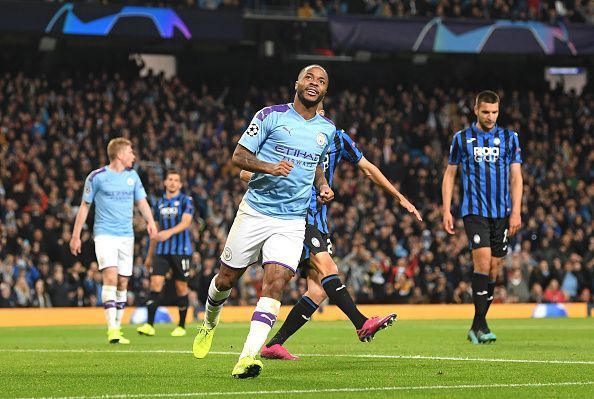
<point>341,147</point>
<point>168,213</point>
<point>485,160</point>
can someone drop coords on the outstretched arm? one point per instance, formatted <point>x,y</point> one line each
<point>376,176</point>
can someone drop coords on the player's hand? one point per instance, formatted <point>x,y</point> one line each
<point>148,264</point>
<point>283,168</point>
<point>515,222</point>
<point>411,208</point>
<point>151,228</point>
<point>448,222</point>
<point>163,235</point>
<point>326,194</point>
<point>75,245</point>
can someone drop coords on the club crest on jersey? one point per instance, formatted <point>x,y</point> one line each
<point>496,141</point>
<point>252,130</point>
<point>88,189</point>
<point>227,254</point>
<point>321,139</point>
<point>315,242</point>
<point>130,181</point>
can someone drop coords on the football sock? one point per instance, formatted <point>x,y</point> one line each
<point>263,319</point>
<point>151,306</point>
<point>182,306</point>
<point>298,316</point>
<point>490,291</point>
<point>121,297</point>
<point>339,295</point>
<point>108,297</point>
<point>214,304</point>
<point>479,297</point>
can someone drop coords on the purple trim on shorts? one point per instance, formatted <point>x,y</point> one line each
<point>120,305</point>
<point>279,263</point>
<point>268,110</point>
<point>264,317</point>
<point>109,304</point>
<point>212,302</point>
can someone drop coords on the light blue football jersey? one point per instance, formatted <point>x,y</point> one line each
<point>114,195</point>
<point>276,133</point>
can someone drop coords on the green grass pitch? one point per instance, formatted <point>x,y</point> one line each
<point>546,358</point>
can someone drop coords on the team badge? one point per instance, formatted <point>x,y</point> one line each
<point>315,242</point>
<point>496,141</point>
<point>321,139</point>
<point>88,189</point>
<point>176,203</point>
<point>227,254</point>
<point>252,130</point>
<point>476,239</point>
<point>130,181</point>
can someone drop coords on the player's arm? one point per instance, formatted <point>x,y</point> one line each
<point>245,176</point>
<point>321,184</point>
<point>184,224</point>
<point>247,160</point>
<point>145,211</point>
<point>517,186</point>
<point>447,188</point>
<point>376,176</point>
<point>81,217</point>
<point>148,262</point>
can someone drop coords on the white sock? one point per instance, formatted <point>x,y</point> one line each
<point>121,297</point>
<point>108,297</point>
<point>214,303</point>
<point>262,321</point>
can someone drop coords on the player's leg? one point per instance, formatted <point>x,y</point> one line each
<point>125,251</point>
<point>498,251</point>
<point>107,258</point>
<point>157,282</point>
<point>477,229</point>
<point>244,242</point>
<point>297,317</point>
<point>181,288</point>
<point>108,297</point>
<point>280,257</point>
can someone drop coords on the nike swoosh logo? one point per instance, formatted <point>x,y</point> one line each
<point>305,317</point>
<point>470,140</point>
<point>341,287</point>
<point>482,293</point>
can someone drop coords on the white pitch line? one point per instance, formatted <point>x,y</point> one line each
<point>330,390</point>
<point>305,355</point>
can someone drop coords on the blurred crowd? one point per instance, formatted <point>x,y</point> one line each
<point>540,10</point>
<point>53,132</point>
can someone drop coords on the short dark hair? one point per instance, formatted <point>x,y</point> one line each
<point>487,96</point>
<point>172,172</point>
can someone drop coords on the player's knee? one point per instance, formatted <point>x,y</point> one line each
<point>225,280</point>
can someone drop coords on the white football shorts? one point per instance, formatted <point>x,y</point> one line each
<point>115,251</point>
<point>279,240</point>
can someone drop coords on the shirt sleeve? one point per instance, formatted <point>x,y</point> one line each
<point>189,207</point>
<point>349,149</point>
<point>515,151</point>
<point>455,150</point>
<point>257,132</point>
<point>90,189</point>
<point>139,192</point>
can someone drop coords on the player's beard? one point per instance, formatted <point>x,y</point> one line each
<point>308,103</point>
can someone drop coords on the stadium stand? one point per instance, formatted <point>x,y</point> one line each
<point>54,130</point>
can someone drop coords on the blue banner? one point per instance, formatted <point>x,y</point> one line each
<point>441,36</point>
